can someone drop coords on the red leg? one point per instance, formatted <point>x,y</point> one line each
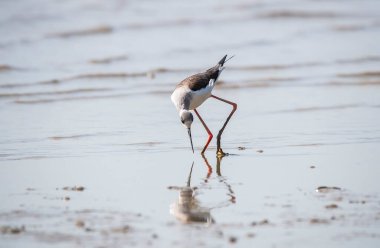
<point>208,131</point>
<point>234,107</point>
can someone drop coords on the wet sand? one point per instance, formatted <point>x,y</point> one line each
<point>92,152</point>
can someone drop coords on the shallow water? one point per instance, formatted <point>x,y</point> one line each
<point>84,101</point>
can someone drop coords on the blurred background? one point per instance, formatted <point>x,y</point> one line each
<point>75,53</point>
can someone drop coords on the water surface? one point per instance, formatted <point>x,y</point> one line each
<point>84,101</point>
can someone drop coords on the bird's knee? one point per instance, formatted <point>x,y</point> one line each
<point>219,134</point>
<point>234,107</point>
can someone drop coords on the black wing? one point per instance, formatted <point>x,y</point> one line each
<point>201,80</point>
<point>197,81</point>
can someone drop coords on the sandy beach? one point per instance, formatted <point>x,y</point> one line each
<point>93,154</point>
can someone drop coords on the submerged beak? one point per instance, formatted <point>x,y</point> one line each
<point>191,140</point>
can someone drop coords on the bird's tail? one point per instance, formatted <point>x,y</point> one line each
<point>215,71</point>
<point>223,60</point>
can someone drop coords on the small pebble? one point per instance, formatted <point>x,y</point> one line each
<point>233,239</point>
<point>80,223</point>
<point>79,188</point>
<point>264,222</point>
<point>331,206</point>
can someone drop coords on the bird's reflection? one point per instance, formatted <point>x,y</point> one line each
<point>188,208</point>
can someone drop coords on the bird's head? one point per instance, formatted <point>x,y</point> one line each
<point>187,120</point>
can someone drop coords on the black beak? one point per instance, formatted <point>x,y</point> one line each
<point>191,140</point>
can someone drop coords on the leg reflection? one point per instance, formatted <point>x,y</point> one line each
<point>209,169</point>
<point>222,179</point>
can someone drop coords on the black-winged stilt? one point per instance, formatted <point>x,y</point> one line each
<point>192,92</point>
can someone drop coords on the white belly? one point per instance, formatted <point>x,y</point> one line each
<point>198,97</point>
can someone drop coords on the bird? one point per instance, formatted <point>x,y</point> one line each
<point>192,92</point>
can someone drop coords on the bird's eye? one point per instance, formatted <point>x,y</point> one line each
<point>183,121</point>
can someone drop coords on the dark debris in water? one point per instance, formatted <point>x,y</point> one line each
<point>327,189</point>
<point>232,239</point>
<point>364,74</point>
<point>263,222</point>
<point>331,206</point>
<point>357,202</point>
<point>84,32</point>
<point>4,68</point>
<point>75,188</point>
<point>12,229</point>
<point>319,221</point>
<point>80,223</point>
<point>121,229</point>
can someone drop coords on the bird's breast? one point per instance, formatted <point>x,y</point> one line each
<point>198,97</point>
